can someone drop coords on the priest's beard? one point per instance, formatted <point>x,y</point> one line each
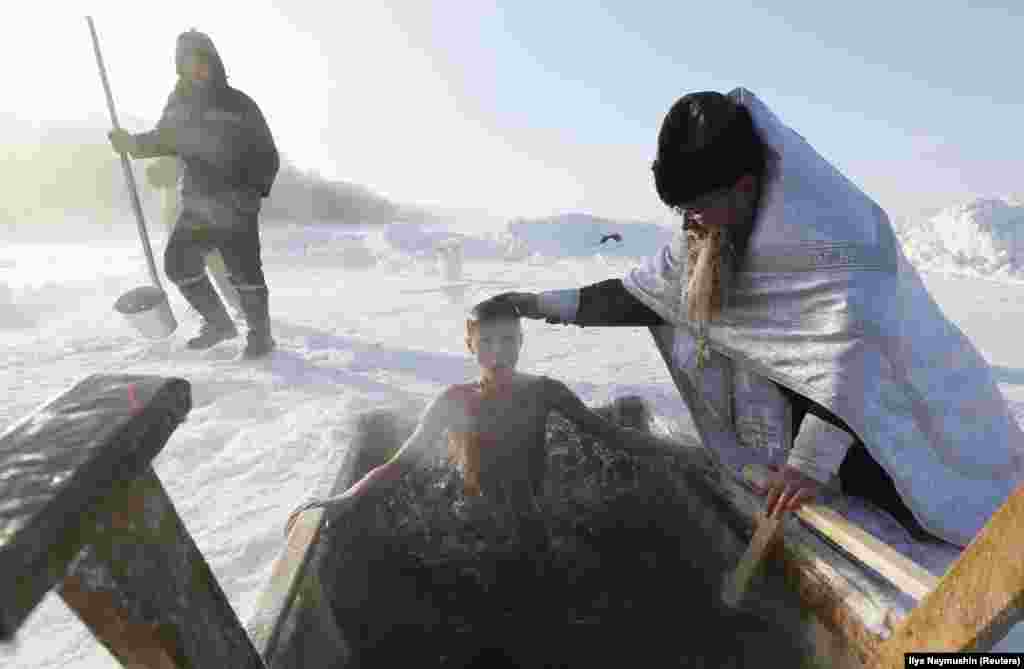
<point>708,272</point>
<point>711,264</point>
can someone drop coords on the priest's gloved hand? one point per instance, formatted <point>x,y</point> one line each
<point>526,303</point>
<point>788,490</point>
<point>122,140</point>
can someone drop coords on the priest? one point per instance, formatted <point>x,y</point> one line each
<point>798,334</point>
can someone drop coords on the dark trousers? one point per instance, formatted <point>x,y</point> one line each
<point>860,475</point>
<point>208,223</point>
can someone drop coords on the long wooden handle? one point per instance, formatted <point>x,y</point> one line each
<point>738,582</point>
<point>899,570</point>
<point>129,176</point>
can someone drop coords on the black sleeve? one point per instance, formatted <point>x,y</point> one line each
<point>609,303</point>
<point>805,405</point>
<point>261,160</point>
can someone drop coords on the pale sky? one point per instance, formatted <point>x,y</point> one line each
<point>530,108</point>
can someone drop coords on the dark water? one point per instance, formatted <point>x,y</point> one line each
<point>623,566</point>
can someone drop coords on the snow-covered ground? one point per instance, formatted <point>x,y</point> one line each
<point>362,318</point>
<point>980,238</point>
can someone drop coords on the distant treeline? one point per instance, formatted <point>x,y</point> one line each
<point>73,171</point>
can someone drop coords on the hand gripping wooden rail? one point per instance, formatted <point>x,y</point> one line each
<point>899,570</point>
<point>973,605</point>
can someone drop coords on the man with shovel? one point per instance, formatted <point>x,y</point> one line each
<point>798,334</point>
<point>230,163</point>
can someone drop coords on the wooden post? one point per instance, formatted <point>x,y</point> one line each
<point>977,601</point>
<point>146,591</point>
<point>82,510</point>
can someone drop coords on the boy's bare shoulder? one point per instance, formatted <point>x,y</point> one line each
<point>453,407</point>
<point>462,396</point>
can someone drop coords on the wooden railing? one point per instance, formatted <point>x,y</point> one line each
<point>82,512</point>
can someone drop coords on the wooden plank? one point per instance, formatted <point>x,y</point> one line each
<point>133,643</point>
<point>978,599</point>
<point>294,625</point>
<point>293,618</point>
<point>884,559</point>
<point>287,572</point>
<point>61,462</point>
<point>145,591</point>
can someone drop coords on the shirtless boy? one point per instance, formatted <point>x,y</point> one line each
<point>496,426</point>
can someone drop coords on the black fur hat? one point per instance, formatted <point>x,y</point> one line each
<point>707,142</point>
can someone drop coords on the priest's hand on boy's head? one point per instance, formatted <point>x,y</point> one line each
<point>526,303</point>
<point>788,490</point>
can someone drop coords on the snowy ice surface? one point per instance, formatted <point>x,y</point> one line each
<point>981,238</point>
<point>362,318</point>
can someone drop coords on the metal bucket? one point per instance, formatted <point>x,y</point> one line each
<point>148,310</point>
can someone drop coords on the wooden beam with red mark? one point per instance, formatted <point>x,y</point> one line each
<point>84,512</point>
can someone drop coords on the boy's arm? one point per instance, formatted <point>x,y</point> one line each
<point>437,417</point>
<point>566,402</point>
<point>432,425</point>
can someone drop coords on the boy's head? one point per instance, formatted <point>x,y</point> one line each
<point>494,334</point>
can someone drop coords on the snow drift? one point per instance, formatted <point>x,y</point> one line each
<point>983,237</point>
